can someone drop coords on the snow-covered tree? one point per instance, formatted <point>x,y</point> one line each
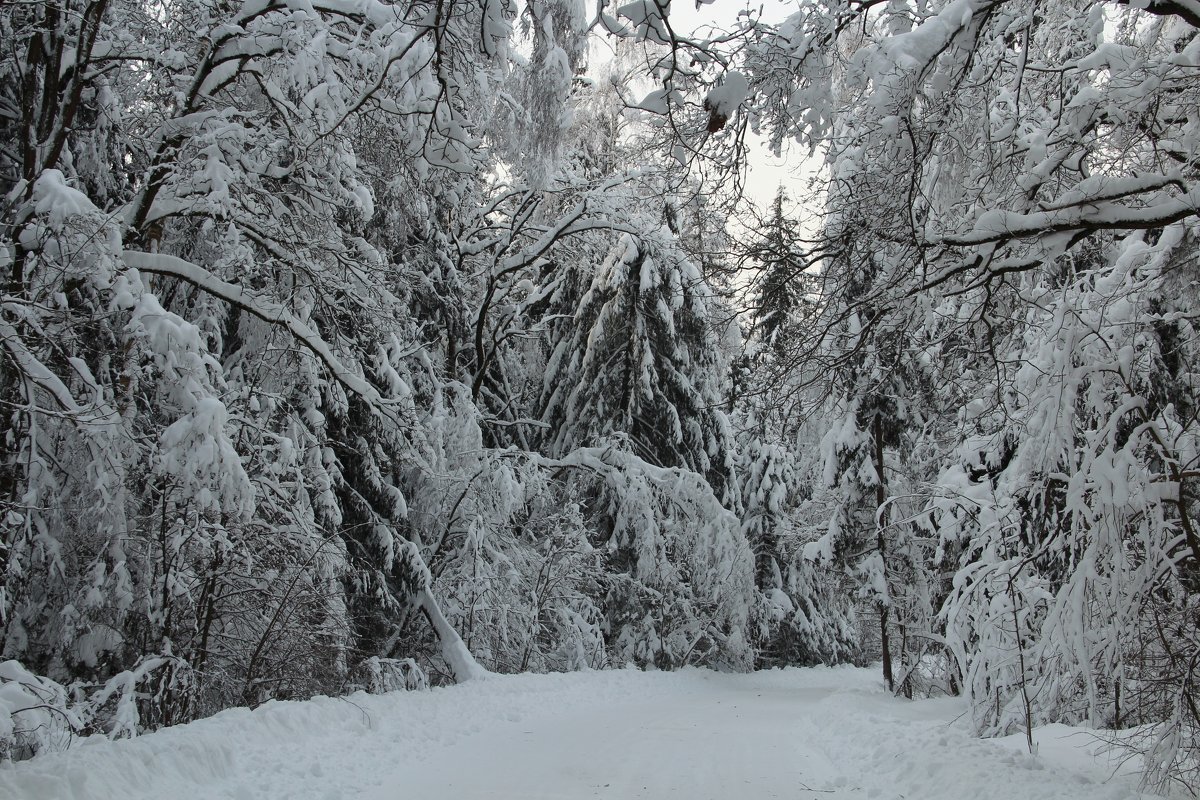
<point>641,360</point>
<point>784,291</point>
<point>1021,185</point>
<point>802,615</point>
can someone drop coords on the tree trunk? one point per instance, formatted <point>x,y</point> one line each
<point>462,663</point>
<point>884,608</point>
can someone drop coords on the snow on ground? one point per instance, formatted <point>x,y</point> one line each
<point>813,734</point>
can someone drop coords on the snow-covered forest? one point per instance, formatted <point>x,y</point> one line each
<point>361,344</point>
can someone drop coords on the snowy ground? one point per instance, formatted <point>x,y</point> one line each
<point>819,734</point>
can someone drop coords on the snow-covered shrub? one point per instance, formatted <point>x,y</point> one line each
<point>157,691</point>
<point>35,714</point>
<point>378,675</point>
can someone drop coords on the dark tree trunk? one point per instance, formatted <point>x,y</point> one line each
<point>884,608</point>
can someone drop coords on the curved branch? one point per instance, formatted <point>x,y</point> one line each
<point>266,310</point>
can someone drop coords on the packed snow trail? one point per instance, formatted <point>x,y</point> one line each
<point>719,740</point>
<point>819,734</point>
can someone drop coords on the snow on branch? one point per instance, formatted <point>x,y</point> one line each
<point>1083,214</point>
<point>266,310</point>
<point>41,375</point>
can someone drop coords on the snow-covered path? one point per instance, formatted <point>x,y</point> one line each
<point>824,734</point>
<point>714,738</point>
